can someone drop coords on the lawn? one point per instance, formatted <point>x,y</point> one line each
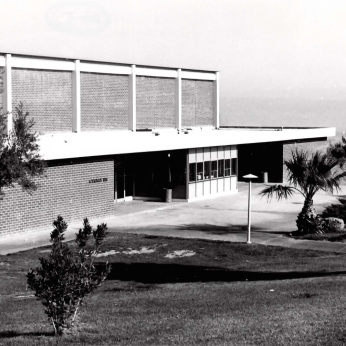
<point>217,294</point>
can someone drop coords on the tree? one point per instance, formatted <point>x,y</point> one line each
<point>308,174</point>
<point>338,150</point>
<point>67,276</point>
<point>20,161</point>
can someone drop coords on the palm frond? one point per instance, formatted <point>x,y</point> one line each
<point>310,172</point>
<point>298,168</point>
<point>279,191</point>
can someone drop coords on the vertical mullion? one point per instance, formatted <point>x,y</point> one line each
<point>7,93</point>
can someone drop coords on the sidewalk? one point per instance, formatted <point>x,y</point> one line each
<point>222,219</point>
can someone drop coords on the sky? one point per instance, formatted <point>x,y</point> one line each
<point>281,63</point>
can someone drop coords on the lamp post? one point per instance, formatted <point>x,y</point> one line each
<point>168,189</point>
<point>169,171</point>
<point>250,177</point>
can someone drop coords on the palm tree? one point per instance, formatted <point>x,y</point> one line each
<point>308,173</point>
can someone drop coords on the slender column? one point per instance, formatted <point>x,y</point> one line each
<point>217,101</point>
<point>187,175</point>
<point>7,92</point>
<point>178,101</point>
<point>132,99</point>
<point>249,216</point>
<point>76,95</point>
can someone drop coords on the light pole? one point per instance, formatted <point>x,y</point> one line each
<point>250,177</point>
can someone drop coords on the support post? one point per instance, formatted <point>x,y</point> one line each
<point>178,101</point>
<point>132,99</point>
<point>76,98</point>
<point>7,92</point>
<point>217,100</point>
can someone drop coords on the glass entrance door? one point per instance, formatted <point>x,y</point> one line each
<point>123,180</point>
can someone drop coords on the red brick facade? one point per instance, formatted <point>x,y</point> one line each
<point>104,102</point>
<point>75,189</point>
<point>1,85</point>
<point>47,96</point>
<point>155,102</point>
<point>197,102</point>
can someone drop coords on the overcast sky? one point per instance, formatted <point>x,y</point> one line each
<point>265,49</point>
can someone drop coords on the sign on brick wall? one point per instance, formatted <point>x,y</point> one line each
<point>100,180</point>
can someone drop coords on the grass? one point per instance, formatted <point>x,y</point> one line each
<point>226,294</point>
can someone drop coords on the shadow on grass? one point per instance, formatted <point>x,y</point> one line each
<point>216,229</point>
<point>224,230</point>
<point>135,287</point>
<point>15,334</point>
<point>156,273</point>
<point>332,237</point>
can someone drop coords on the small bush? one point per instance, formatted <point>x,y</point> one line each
<point>67,275</point>
<point>336,210</point>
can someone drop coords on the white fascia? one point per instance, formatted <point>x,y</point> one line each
<point>85,144</point>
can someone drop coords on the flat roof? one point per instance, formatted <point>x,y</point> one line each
<point>100,60</point>
<point>55,146</point>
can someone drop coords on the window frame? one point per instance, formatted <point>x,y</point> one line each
<point>221,168</point>
<point>194,170</point>
<point>234,166</point>
<point>227,170</point>
<point>199,171</point>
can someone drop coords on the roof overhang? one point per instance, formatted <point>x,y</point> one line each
<point>71,145</point>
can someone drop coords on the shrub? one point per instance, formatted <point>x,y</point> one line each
<point>333,225</point>
<point>67,276</point>
<point>336,210</point>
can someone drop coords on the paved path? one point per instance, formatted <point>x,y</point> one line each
<point>222,218</point>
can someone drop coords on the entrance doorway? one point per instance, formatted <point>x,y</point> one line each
<point>145,176</point>
<point>123,186</point>
<point>259,158</point>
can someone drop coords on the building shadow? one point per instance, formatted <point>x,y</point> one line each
<point>339,196</point>
<point>217,229</point>
<point>225,229</point>
<point>14,334</point>
<point>163,273</point>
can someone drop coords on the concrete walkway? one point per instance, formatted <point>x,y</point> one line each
<point>222,218</point>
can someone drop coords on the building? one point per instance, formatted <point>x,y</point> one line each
<point>114,132</point>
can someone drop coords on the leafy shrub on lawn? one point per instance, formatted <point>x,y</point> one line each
<point>336,210</point>
<point>67,275</point>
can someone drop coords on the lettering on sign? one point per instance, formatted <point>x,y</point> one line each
<point>100,180</point>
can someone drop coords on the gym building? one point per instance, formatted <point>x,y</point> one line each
<point>111,133</point>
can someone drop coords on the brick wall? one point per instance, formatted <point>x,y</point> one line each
<point>155,102</point>
<point>104,101</point>
<point>47,96</point>
<point>1,87</point>
<point>197,102</point>
<point>66,190</point>
<point>309,145</point>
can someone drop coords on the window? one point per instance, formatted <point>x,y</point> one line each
<point>207,170</point>
<point>199,170</point>
<point>227,167</point>
<point>220,168</point>
<point>192,172</point>
<point>213,172</point>
<point>234,167</point>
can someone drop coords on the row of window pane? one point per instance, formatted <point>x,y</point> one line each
<point>212,169</point>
